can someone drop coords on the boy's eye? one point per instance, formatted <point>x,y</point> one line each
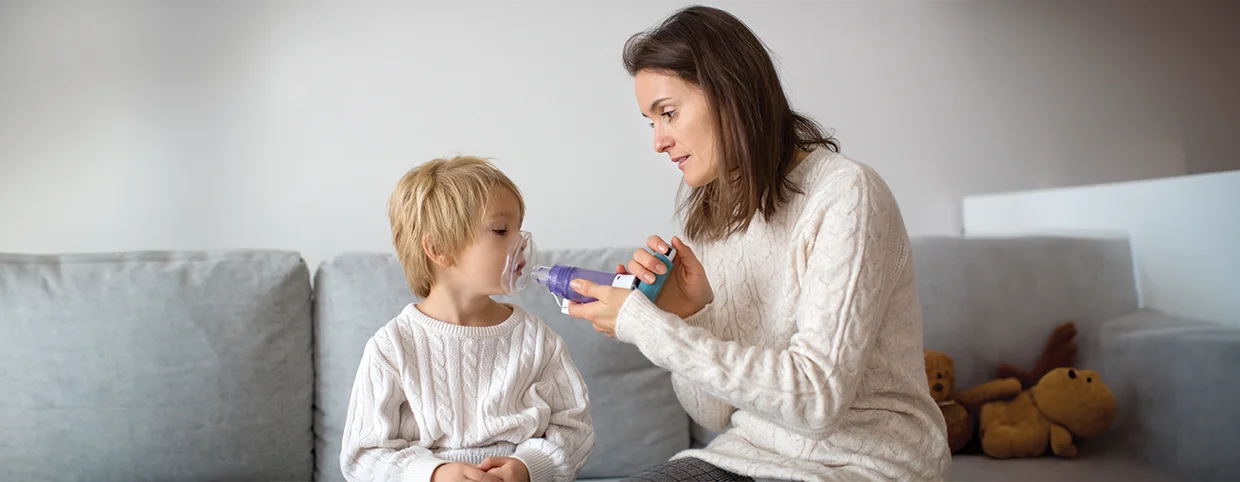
<point>500,232</point>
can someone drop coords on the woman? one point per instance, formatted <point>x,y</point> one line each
<point>805,345</point>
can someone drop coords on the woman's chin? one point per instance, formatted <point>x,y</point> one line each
<point>695,180</point>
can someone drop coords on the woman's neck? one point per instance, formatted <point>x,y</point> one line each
<point>797,156</point>
<point>454,307</point>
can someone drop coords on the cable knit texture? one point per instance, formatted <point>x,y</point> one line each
<point>429,392</point>
<point>810,358</point>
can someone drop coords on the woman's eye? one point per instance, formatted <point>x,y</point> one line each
<point>500,232</point>
<point>669,115</point>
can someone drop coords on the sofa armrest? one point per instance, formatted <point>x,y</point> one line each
<point>1178,391</point>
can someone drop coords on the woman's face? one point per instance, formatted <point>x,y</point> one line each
<point>684,127</point>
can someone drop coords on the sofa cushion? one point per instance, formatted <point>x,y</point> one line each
<point>355,295</point>
<point>1175,380</point>
<point>637,419</point>
<point>987,301</point>
<point>638,422</point>
<point>155,366</point>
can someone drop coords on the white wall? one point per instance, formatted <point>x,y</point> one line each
<point>1185,234</point>
<point>285,124</point>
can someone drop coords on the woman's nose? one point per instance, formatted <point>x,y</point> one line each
<point>662,142</point>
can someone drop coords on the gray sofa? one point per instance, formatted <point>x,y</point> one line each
<point>237,365</point>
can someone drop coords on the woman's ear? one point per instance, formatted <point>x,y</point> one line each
<point>441,260</point>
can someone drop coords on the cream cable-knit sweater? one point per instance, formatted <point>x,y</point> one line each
<point>429,392</point>
<point>811,356</point>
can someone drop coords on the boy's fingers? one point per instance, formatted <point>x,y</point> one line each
<point>480,476</point>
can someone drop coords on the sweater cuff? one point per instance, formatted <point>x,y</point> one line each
<point>421,470</point>
<point>700,319</point>
<point>538,464</point>
<point>637,318</point>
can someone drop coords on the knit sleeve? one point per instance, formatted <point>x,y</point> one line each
<point>560,453</point>
<point>845,260</point>
<point>371,448</point>
<point>707,410</point>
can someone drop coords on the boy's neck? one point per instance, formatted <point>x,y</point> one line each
<point>464,310</point>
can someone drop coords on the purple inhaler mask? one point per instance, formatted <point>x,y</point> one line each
<point>520,269</point>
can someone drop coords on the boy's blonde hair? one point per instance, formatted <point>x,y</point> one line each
<point>441,203</point>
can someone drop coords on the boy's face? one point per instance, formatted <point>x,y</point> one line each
<point>479,267</point>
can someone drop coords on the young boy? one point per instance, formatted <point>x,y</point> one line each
<point>460,387</point>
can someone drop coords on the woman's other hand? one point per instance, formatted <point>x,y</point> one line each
<point>602,313</point>
<point>687,290</point>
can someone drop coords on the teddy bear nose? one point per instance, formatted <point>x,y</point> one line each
<point>938,387</point>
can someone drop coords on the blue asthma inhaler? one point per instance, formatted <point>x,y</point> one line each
<point>651,290</point>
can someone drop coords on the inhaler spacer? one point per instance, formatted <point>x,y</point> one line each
<point>520,270</point>
<point>518,263</point>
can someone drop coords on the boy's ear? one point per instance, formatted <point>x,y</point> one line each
<point>432,254</point>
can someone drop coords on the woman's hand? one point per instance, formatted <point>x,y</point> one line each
<point>684,293</point>
<point>687,290</point>
<point>601,313</point>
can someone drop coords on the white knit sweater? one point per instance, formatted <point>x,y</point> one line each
<point>811,355</point>
<point>429,392</point>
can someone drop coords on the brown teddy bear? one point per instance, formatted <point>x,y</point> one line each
<point>1065,404</point>
<point>1059,351</point>
<point>959,407</point>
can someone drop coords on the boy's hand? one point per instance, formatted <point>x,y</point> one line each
<point>507,469</point>
<point>458,472</point>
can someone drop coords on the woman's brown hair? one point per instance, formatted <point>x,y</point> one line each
<point>759,134</point>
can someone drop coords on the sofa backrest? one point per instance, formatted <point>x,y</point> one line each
<point>164,366</point>
<point>197,365</point>
<point>987,301</point>
<point>637,420</point>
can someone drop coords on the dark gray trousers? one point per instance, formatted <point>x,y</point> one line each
<point>686,470</point>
